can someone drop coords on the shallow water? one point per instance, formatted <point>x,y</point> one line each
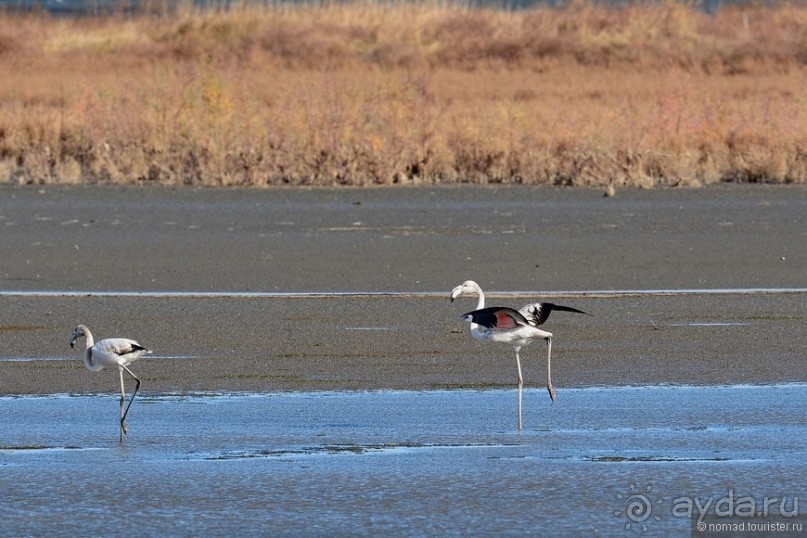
<point>406,462</point>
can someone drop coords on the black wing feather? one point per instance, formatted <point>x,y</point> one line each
<point>539,312</point>
<point>133,347</point>
<point>486,317</point>
<point>138,347</point>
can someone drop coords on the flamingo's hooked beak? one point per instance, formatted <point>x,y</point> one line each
<point>75,336</point>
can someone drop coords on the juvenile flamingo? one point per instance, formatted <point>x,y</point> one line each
<point>119,352</point>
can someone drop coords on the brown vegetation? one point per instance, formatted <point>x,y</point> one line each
<point>358,94</point>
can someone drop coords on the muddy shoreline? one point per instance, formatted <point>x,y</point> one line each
<point>423,240</point>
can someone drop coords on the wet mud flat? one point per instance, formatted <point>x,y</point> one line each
<point>417,243</point>
<point>336,343</point>
<point>408,240</point>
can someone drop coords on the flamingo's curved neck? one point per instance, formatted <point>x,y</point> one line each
<point>88,360</point>
<point>89,338</point>
<point>480,304</point>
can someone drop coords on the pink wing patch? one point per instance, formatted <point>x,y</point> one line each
<point>504,321</point>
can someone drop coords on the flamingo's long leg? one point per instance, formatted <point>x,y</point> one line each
<point>126,412</point>
<point>520,385</point>
<point>549,386</point>
<point>518,363</point>
<point>519,408</point>
<point>122,402</point>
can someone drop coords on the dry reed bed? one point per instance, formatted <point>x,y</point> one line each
<point>362,94</point>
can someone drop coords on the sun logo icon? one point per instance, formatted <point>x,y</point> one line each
<point>638,507</point>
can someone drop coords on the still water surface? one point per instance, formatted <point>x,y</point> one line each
<point>399,462</point>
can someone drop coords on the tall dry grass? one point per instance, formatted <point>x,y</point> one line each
<point>366,93</point>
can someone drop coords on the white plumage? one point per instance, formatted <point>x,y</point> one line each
<point>112,352</point>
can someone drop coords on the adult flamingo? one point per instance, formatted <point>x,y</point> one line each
<point>509,326</point>
<point>118,352</point>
